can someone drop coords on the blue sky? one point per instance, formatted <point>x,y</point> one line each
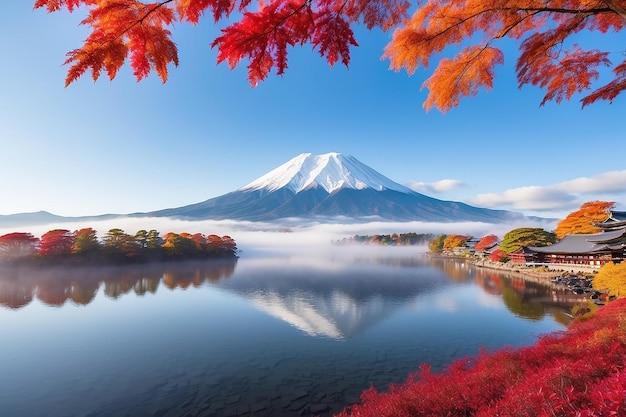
<point>123,146</point>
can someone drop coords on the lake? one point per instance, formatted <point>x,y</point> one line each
<point>272,334</point>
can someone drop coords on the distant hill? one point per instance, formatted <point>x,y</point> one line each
<point>43,217</point>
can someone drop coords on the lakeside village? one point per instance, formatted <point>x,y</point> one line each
<point>587,263</point>
<point>585,252</point>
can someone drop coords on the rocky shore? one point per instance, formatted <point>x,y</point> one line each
<point>536,272</point>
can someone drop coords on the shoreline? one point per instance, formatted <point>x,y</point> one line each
<point>505,267</point>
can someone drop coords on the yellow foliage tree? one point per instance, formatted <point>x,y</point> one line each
<point>582,220</point>
<point>612,278</point>
<point>454,241</point>
<point>436,245</point>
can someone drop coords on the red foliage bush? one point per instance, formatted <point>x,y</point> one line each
<point>498,255</point>
<point>485,242</point>
<point>579,372</point>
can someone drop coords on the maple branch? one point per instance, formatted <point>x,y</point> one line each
<point>559,10</point>
<point>135,23</point>
<point>141,19</point>
<point>612,4</point>
<point>501,35</point>
<point>534,11</point>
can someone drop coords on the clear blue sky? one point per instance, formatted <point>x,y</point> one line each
<point>123,146</point>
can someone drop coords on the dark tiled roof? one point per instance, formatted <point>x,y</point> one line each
<point>586,243</point>
<point>614,218</point>
<point>619,215</point>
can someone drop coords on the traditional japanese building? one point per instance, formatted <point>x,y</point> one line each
<point>616,220</point>
<point>590,250</point>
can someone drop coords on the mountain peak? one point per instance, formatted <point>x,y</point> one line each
<point>330,171</point>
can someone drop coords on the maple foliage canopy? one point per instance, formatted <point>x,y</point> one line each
<point>260,33</point>
<point>582,221</point>
<point>485,242</point>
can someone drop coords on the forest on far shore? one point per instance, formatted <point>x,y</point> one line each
<point>393,239</point>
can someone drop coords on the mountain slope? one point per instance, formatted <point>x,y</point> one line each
<point>327,186</point>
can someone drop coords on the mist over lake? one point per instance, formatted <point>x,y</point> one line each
<point>276,333</point>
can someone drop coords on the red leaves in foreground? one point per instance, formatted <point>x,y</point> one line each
<point>134,30</point>
<point>549,58</point>
<point>264,36</point>
<point>579,372</point>
<point>264,30</point>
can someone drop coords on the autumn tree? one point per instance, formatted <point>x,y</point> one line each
<point>436,245</point>
<point>179,244</point>
<point>526,236</point>
<point>260,33</point>
<point>116,241</point>
<point>17,245</point>
<point>582,220</point>
<point>485,242</point>
<point>499,255</point>
<point>454,241</point>
<point>85,241</point>
<point>228,245</point>
<point>57,242</point>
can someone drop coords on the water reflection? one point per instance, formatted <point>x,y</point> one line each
<point>335,298</point>
<point>527,297</point>
<point>56,286</point>
<point>272,336</point>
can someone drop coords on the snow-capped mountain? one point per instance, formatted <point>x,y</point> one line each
<point>331,171</point>
<point>331,186</point>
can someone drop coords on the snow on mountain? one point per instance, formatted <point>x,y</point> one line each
<point>331,171</point>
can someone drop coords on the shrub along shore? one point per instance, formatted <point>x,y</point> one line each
<point>578,372</point>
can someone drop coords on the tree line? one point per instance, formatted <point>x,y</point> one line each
<point>115,246</point>
<point>393,239</point>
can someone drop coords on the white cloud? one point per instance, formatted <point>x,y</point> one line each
<point>526,198</point>
<point>437,187</point>
<point>608,182</point>
<point>567,195</point>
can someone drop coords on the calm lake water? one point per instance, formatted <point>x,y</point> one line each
<point>270,335</point>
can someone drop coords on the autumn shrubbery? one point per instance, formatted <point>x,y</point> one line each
<point>579,372</point>
<point>612,279</point>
